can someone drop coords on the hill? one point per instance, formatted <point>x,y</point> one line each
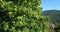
<point>53,14</point>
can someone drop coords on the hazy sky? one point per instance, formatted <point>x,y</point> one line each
<point>50,4</point>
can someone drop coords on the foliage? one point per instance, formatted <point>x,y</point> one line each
<point>22,16</point>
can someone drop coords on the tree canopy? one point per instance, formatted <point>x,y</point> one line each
<point>22,16</point>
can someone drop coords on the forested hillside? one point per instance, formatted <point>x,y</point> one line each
<point>53,14</point>
<point>54,18</point>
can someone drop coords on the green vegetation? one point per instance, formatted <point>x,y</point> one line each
<point>22,16</point>
<point>54,16</point>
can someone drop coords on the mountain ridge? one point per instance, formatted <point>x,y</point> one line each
<point>53,14</point>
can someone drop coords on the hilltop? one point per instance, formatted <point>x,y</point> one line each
<point>53,14</point>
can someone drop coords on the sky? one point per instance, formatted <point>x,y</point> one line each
<point>50,4</point>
